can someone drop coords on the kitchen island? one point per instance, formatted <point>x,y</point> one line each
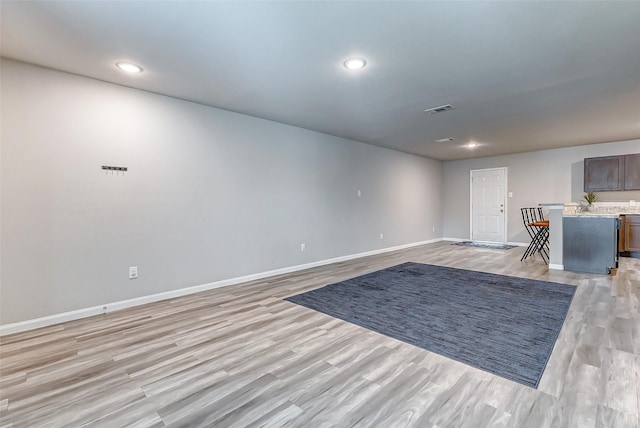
<point>590,242</point>
<point>558,211</point>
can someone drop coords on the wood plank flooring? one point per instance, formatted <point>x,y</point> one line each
<point>240,356</point>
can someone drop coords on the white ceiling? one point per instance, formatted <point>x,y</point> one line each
<point>522,76</point>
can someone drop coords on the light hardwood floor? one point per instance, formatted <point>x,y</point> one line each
<point>241,356</point>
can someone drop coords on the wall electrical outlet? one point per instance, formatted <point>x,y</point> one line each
<point>359,192</point>
<point>632,203</point>
<point>510,194</point>
<point>303,246</point>
<point>133,272</point>
<point>381,235</point>
<point>434,228</point>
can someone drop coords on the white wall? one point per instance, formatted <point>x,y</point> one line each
<point>545,176</point>
<point>209,195</point>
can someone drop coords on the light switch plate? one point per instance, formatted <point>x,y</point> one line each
<point>133,272</point>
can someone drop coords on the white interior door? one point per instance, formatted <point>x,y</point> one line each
<point>488,205</point>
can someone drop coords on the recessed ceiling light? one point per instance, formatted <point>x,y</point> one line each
<point>444,140</point>
<point>129,67</point>
<point>471,145</point>
<point>355,63</point>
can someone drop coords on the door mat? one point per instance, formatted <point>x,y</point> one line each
<point>485,245</point>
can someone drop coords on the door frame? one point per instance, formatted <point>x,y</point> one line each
<point>506,197</point>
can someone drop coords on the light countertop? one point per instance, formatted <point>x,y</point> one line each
<point>593,215</point>
<point>599,209</point>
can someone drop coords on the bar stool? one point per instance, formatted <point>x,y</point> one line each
<point>538,229</point>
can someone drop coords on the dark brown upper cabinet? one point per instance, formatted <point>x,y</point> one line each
<point>632,172</point>
<point>611,173</point>
<point>604,174</point>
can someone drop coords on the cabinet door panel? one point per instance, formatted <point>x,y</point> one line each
<point>632,233</point>
<point>602,174</point>
<point>632,172</point>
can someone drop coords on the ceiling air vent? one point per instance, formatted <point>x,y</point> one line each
<point>440,109</point>
<point>444,140</point>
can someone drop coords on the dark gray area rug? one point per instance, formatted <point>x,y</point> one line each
<point>485,245</point>
<point>502,324</point>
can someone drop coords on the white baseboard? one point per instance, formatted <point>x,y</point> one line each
<point>555,266</point>
<point>123,304</point>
